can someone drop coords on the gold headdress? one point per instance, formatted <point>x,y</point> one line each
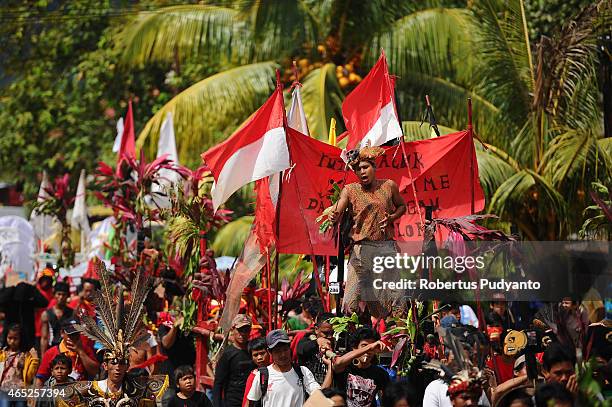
<point>367,153</point>
<point>121,322</point>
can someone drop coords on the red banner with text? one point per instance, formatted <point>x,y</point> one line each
<point>440,168</point>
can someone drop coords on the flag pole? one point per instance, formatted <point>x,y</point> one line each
<point>278,213</point>
<point>472,154</point>
<point>269,281</point>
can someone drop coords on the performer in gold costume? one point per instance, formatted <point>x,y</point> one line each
<point>122,323</point>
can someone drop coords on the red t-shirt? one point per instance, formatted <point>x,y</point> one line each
<point>504,371</point>
<point>247,388</point>
<point>44,370</point>
<point>48,294</point>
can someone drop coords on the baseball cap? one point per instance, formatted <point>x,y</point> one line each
<point>275,337</point>
<point>241,320</point>
<point>71,327</point>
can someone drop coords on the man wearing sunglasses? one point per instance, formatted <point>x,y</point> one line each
<point>234,366</point>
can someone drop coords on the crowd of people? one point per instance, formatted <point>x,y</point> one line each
<point>454,361</point>
<point>98,345</point>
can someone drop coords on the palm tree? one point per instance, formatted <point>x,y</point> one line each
<point>536,104</point>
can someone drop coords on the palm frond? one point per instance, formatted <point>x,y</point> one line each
<point>493,170</point>
<point>506,71</point>
<point>210,109</point>
<point>278,26</point>
<point>573,158</point>
<point>183,31</point>
<point>528,199</point>
<point>322,98</point>
<point>231,238</point>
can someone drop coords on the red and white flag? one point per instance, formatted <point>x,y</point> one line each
<point>256,150</point>
<point>128,139</point>
<point>369,110</point>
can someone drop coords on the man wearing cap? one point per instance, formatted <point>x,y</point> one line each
<point>234,366</point>
<point>283,385</point>
<point>84,362</point>
<point>53,318</point>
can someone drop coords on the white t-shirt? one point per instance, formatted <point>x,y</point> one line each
<point>283,388</point>
<point>435,396</point>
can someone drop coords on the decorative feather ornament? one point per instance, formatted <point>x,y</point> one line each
<point>122,322</point>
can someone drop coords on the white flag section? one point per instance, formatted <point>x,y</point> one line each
<point>167,146</point>
<point>117,143</point>
<point>257,150</point>
<point>385,128</point>
<point>44,225</point>
<point>296,117</point>
<point>17,246</point>
<point>79,219</point>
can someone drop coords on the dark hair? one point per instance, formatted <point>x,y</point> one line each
<point>362,334</point>
<point>332,391</point>
<point>15,328</point>
<point>62,359</point>
<point>557,353</point>
<point>552,391</point>
<point>182,371</point>
<point>61,287</point>
<point>494,319</point>
<point>92,281</point>
<point>395,392</point>
<point>314,306</point>
<point>324,317</point>
<point>257,344</point>
<point>519,394</point>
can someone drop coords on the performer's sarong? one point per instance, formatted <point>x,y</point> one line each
<point>361,281</point>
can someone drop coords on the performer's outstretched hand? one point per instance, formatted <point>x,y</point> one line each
<point>384,223</point>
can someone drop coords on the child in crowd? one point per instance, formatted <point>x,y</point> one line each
<point>17,365</point>
<point>61,366</point>
<point>187,396</point>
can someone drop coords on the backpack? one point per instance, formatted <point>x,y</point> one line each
<point>263,382</point>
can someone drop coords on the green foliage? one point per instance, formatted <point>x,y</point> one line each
<point>344,324</point>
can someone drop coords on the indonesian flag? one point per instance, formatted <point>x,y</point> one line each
<point>128,139</point>
<point>256,150</point>
<point>369,110</point>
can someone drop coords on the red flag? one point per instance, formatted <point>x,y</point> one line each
<point>256,150</point>
<point>369,110</point>
<point>128,140</point>
<point>440,168</point>
<point>265,215</point>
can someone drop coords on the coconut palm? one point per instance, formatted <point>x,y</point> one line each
<point>536,104</point>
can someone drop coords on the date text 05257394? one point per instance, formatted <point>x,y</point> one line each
<point>35,393</point>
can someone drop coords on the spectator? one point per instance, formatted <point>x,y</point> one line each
<point>19,303</point>
<point>338,397</point>
<point>53,318</point>
<point>311,349</point>
<point>187,396</point>
<point>45,288</point>
<point>553,394</point>
<point>17,364</point>
<point>356,372</point>
<point>84,362</point>
<point>558,366</point>
<point>520,397</point>
<point>83,304</point>
<point>178,347</point>
<point>282,384</point>
<point>234,366</point>
<point>261,358</point>
<point>61,366</point>
<point>259,352</point>
<point>436,393</point>
<point>400,394</point>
